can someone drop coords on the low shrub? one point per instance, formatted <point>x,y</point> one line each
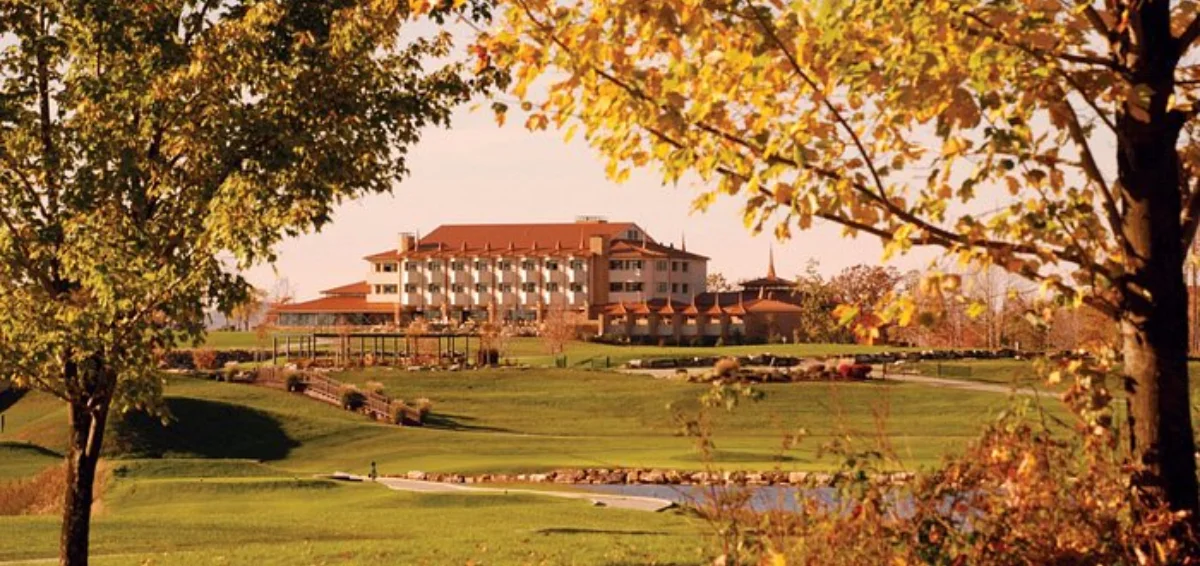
<point>726,367</point>
<point>352,398</point>
<point>402,413</point>
<point>295,383</point>
<point>397,411</point>
<point>375,387</point>
<point>854,371</point>
<point>38,495</point>
<point>204,359</point>
<point>42,494</point>
<point>424,407</point>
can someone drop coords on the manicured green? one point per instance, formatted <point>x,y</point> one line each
<point>234,481</point>
<point>230,340</point>
<point>1021,373</point>
<point>527,420</point>
<point>286,521</point>
<point>19,460</point>
<point>1000,372</point>
<point>534,352</point>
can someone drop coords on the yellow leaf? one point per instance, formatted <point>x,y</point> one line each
<point>976,310</point>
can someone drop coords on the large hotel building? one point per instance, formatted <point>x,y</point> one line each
<point>614,273</point>
<point>508,272</point>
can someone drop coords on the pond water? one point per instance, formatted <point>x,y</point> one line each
<point>761,498</point>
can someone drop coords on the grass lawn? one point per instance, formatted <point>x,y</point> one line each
<point>533,351</point>
<point>19,459</point>
<point>231,478</point>
<point>529,420</point>
<point>186,520</point>
<point>1008,372</point>
<point>998,372</point>
<point>236,340</point>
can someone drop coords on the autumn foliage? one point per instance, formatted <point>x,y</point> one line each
<point>1056,140</point>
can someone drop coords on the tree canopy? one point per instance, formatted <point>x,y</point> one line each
<point>887,118</point>
<point>1056,139</point>
<point>149,149</point>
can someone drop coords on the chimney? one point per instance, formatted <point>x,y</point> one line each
<point>598,245</point>
<point>408,242</point>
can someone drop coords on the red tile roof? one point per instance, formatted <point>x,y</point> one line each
<point>630,248</point>
<point>778,283</point>
<point>736,304</point>
<point>452,239</point>
<point>356,288</point>
<point>771,306</point>
<point>336,305</point>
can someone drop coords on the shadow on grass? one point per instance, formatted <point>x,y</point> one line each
<point>576,531</point>
<point>31,449</point>
<point>203,429</point>
<point>443,421</point>
<point>9,397</point>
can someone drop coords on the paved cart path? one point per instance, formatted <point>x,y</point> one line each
<point>944,382</point>
<point>598,499</point>
<point>966,385</point>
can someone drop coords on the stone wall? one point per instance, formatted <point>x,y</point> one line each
<point>650,476</point>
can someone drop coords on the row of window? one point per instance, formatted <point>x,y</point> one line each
<point>659,265</point>
<point>638,286</point>
<point>529,265</point>
<point>481,265</point>
<point>479,288</point>
<point>675,287</point>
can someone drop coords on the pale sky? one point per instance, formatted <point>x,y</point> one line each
<point>479,172</point>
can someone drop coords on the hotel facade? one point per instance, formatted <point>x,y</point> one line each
<point>613,276</point>
<point>507,272</point>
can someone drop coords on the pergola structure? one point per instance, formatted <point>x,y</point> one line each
<point>381,346</point>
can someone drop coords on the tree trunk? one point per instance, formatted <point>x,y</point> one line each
<point>1154,305</point>
<point>87,435</point>
<point>1154,322</point>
